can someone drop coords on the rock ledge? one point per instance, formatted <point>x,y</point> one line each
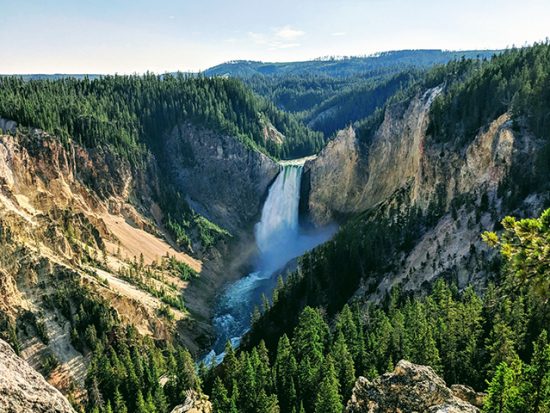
<point>409,388</point>
<point>23,389</point>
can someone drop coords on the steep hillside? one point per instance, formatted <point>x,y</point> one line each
<point>124,217</point>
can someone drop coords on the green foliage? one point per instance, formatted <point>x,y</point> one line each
<point>328,397</point>
<point>181,221</point>
<point>499,340</point>
<point>524,246</point>
<point>28,318</point>
<point>48,363</point>
<point>503,395</point>
<point>130,114</point>
<point>8,332</point>
<point>328,104</point>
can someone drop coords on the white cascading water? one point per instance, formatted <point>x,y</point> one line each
<point>277,230</point>
<point>279,240</point>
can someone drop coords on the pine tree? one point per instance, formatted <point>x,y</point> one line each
<point>220,399</point>
<point>328,397</point>
<point>503,394</point>
<point>246,380</point>
<point>262,368</point>
<point>186,375</point>
<point>343,362</point>
<point>536,389</point>
<point>160,400</point>
<point>267,404</point>
<point>500,345</point>
<point>119,404</point>
<point>150,404</point>
<point>230,365</point>
<point>309,341</point>
<point>285,372</point>
<point>141,406</point>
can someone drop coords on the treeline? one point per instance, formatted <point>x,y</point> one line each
<point>342,67</point>
<point>131,113</point>
<point>498,342</point>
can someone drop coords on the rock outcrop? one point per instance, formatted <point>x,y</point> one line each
<point>409,388</point>
<point>340,161</point>
<point>194,403</point>
<point>224,180</point>
<point>24,390</point>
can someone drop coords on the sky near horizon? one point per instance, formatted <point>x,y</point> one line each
<point>133,36</point>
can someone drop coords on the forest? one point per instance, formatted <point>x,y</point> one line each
<point>131,114</point>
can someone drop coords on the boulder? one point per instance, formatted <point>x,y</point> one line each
<point>23,389</point>
<point>194,403</point>
<point>409,388</point>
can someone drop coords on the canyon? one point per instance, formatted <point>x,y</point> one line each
<point>188,232</point>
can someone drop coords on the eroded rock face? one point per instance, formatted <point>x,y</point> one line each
<point>24,390</point>
<point>223,179</point>
<point>350,176</point>
<point>409,388</point>
<point>400,171</point>
<point>340,162</point>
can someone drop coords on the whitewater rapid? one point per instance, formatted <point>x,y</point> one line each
<point>279,239</point>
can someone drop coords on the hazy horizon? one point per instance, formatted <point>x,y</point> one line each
<point>320,58</point>
<point>122,36</point>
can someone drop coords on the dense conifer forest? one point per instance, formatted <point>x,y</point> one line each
<point>132,113</point>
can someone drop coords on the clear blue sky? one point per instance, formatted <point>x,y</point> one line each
<point>126,36</point>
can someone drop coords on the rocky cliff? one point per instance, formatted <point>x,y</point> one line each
<point>350,176</point>
<point>224,179</point>
<point>24,390</point>
<point>410,388</point>
<point>400,168</point>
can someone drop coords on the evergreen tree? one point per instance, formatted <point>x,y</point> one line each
<point>285,372</point>
<point>141,406</point>
<point>536,388</point>
<point>503,395</point>
<point>328,398</point>
<point>220,399</point>
<point>119,404</point>
<point>343,362</point>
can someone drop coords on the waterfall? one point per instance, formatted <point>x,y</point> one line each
<point>277,231</point>
<point>279,239</point>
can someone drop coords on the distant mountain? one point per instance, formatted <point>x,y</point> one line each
<point>331,66</point>
<point>341,67</point>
